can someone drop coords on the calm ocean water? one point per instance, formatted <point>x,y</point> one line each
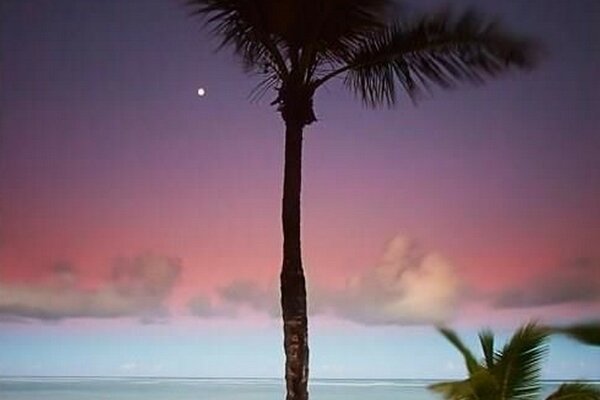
<point>26,388</point>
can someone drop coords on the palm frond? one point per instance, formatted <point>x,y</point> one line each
<point>575,391</point>
<point>485,385</point>
<point>244,25</point>
<point>481,385</point>
<point>518,365</point>
<point>438,50</point>
<point>587,333</point>
<point>470,360</point>
<point>486,339</point>
<point>267,83</point>
<point>335,27</point>
<point>454,390</point>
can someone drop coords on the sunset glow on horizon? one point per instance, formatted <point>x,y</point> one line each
<point>140,194</point>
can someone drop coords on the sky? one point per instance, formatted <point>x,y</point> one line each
<point>140,222</point>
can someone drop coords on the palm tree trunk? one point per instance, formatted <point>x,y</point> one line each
<point>293,285</point>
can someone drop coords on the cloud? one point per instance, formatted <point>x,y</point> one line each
<point>246,293</point>
<point>234,296</point>
<point>577,281</point>
<point>137,287</point>
<point>408,286</point>
<point>201,306</point>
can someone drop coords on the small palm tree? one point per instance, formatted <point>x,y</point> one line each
<point>510,373</point>
<point>299,46</point>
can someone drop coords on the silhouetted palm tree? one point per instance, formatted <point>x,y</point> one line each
<point>510,373</point>
<point>298,46</point>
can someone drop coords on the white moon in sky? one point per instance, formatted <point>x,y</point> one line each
<point>201,92</point>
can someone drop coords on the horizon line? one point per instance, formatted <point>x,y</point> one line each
<point>265,378</point>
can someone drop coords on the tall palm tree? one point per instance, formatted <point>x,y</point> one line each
<point>298,46</point>
<point>513,372</point>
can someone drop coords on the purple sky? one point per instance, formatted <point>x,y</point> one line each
<point>126,197</point>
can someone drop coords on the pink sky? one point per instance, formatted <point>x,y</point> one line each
<point>124,194</point>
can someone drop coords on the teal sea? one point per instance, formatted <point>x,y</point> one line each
<point>79,388</point>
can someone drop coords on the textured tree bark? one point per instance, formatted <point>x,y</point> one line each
<point>293,284</point>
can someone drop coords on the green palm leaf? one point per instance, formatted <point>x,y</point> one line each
<point>518,365</point>
<point>588,333</point>
<point>481,385</point>
<point>454,390</point>
<point>486,339</point>
<point>514,372</point>
<point>575,391</point>
<point>470,360</point>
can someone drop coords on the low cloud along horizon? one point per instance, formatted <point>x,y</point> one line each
<point>137,287</point>
<point>408,285</point>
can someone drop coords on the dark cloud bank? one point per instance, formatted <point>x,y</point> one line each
<point>137,287</point>
<point>577,281</point>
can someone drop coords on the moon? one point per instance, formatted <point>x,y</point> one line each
<point>201,92</point>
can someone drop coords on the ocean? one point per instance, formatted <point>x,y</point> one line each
<point>83,388</point>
